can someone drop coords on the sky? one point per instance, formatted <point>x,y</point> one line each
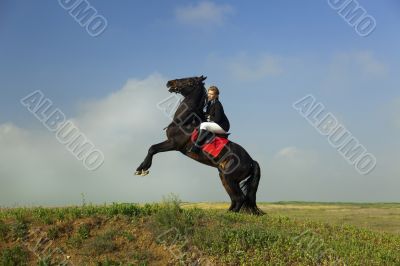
<point>263,56</point>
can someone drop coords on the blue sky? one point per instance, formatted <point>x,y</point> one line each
<point>264,55</point>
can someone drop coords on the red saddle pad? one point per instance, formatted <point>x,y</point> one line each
<point>214,147</point>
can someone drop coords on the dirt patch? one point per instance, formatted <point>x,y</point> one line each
<point>88,241</point>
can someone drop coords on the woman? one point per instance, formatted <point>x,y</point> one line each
<point>217,122</point>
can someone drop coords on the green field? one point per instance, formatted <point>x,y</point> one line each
<point>176,233</point>
<point>380,217</point>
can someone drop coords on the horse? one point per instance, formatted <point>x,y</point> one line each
<point>239,173</point>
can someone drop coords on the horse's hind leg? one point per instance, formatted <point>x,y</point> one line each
<point>228,190</point>
<point>234,191</point>
<point>239,196</point>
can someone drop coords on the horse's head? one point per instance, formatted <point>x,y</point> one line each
<point>185,86</point>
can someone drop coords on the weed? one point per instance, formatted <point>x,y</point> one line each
<point>19,229</point>
<point>171,216</point>
<point>84,231</point>
<point>75,241</point>
<point>53,232</point>
<point>103,243</point>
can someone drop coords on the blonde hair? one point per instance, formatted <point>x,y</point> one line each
<point>214,89</point>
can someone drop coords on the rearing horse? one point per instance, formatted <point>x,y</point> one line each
<point>239,173</point>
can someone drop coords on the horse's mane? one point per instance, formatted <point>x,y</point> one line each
<point>202,101</point>
<point>204,96</point>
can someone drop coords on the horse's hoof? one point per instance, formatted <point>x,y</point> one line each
<point>144,172</point>
<point>138,172</point>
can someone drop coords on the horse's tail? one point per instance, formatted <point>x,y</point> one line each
<point>250,187</point>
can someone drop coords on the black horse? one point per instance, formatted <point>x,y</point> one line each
<point>239,173</point>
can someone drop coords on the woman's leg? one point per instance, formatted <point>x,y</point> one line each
<point>206,128</point>
<point>212,127</point>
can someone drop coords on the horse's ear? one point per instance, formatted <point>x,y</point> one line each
<point>203,78</point>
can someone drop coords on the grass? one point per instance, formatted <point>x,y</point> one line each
<point>19,229</point>
<point>53,232</point>
<point>14,256</point>
<point>74,242</point>
<point>103,243</point>
<point>172,232</point>
<point>109,263</point>
<point>282,240</point>
<point>4,229</point>
<point>84,231</point>
<point>380,217</point>
<point>129,236</point>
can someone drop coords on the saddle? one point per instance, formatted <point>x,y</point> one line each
<point>214,143</point>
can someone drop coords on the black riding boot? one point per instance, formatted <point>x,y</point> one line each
<point>202,136</point>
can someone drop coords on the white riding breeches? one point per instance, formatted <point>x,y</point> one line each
<point>213,127</point>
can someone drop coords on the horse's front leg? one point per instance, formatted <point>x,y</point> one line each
<point>154,149</point>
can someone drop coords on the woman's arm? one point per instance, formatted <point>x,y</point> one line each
<point>219,110</point>
<point>206,113</point>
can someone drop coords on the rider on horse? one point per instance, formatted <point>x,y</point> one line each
<point>217,122</point>
<point>239,173</point>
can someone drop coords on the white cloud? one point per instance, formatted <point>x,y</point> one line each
<point>204,14</point>
<point>292,174</point>
<point>370,64</point>
<point>345,70</point>
<point>131,110</point>
<point>288,152</point>
<point>245,67</point>
<point>295,158</point>
<point>361,63</point>
<point>292,163</point>
<point>359,71</point>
